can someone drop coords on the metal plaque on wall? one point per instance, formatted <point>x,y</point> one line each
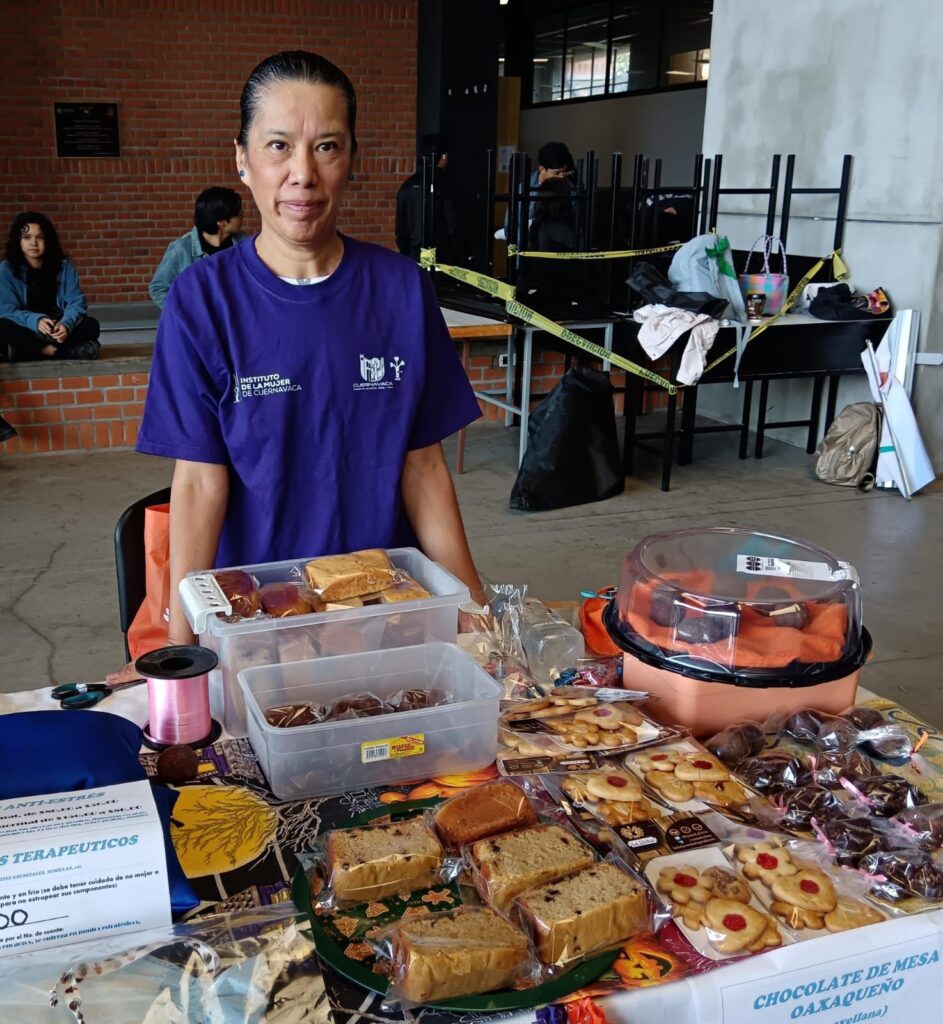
<point>87,129</point>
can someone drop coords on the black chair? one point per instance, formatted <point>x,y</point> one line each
<point>130,560</point>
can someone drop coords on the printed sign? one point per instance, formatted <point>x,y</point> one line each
<point>389,749</point>
<point>78,865</point>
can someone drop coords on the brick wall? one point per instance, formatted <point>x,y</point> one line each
<point>56,414</point>
<point>176,68</point>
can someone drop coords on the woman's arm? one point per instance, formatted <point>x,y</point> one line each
<point>71,298</point>
<point>198,499</point>
<point>432,508</point>
<point>13,301</point>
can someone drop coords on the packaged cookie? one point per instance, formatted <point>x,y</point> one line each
<point>611,795</point>
<point>713,905</point>
<point>687,777</point>
<point>799,886</point>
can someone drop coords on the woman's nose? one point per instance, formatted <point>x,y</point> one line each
<point>304,168</point>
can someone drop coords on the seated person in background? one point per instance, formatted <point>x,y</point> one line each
<point>553,228</point>
<point>448,241</point>
<point>554,163</point>
<point>217,218</point>
<point>42,308</point>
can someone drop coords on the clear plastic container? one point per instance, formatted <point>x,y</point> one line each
<point>725,624</point>
<point>550,642</point>
<point>735,601</point>
<point>270,641</point>
<point>340,756</point>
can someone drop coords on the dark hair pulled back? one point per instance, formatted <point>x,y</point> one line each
<point>294,66</point>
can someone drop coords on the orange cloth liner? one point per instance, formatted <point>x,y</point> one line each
<point>760,643</point>
<point>594,632</point>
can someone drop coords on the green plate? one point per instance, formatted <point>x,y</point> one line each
<point>491,1002</point>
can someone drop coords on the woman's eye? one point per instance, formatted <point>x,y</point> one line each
<point>278,146</point>
<point>327,147</point>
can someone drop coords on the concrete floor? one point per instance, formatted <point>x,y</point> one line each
<point>58,615</point>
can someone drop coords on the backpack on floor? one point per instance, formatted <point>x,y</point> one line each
<point>848,453</point>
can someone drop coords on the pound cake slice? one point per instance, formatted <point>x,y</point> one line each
<point>584,913</point>
<point>341,577</point>
<point>508,865</point>
<point>484,811</point>
<point>442,956</point>
<point>379,860</point>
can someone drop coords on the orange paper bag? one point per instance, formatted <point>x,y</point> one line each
<point>150,628</point>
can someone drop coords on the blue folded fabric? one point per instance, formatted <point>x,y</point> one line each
<point>60,751</point>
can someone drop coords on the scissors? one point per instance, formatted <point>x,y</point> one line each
<point>74,696</point>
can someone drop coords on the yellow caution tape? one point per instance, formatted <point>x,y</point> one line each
<point>839,271</point>
<point>619,254</point>
<point>506,292</point>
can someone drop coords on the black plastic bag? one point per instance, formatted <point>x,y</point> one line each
<point>654,287</point>
<point>572,452</point>
<point>840,303</point>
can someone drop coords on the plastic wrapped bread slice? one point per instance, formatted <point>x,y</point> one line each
<point>584,913</point>
<point>461,953</point>
<point>506,865</point>
<point>483,811</point>
<point>341,577</point>
<point>369,863</point>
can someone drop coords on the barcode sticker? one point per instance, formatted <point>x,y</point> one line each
<point>795,568</point>
<point>394,747</point>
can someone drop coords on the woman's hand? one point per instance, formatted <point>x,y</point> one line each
<point>47,326</point>
<point>60,333</point>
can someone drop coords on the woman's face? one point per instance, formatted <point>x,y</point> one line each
<point>298,161</point>
<point>33,245</point>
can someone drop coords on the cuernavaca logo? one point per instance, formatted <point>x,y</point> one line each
<point>373,373</point>
<point>372,370</point>
<point>262,386</point>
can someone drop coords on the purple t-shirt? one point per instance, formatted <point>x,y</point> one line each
<point>311,395</point>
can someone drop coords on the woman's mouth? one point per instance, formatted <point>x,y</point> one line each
<point>301,208</point>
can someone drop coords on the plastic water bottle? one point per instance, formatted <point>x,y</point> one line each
<point>550,643</point>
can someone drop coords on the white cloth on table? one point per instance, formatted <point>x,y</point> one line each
<point>663,325</point>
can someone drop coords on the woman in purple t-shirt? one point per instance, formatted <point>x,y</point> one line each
<point>303,381</point>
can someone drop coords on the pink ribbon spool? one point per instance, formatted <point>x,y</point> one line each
<point>178,695</point>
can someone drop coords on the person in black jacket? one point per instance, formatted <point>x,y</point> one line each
<point>448,234</point>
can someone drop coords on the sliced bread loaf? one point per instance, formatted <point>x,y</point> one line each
<point>587,912</point>
<point>442,956</point>
<point>379,860</point>
<point>484,811</point>
<point>508,864</point>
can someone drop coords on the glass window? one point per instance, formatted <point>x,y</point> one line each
<point>548,59</point>
<point>635,32</point>
<point>686,43</point>
<point>587,45</point>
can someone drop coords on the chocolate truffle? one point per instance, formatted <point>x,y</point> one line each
<point>902,873</point>
<point>863,718</point>
<point>664,610</point>
<point>802,804</point>
<point>804,726</point>
<point>287,716</point>
<point>772,773</point>
<point>718,623</point>
<point>852,839</point>
<point>178,763</point>
<point>924,822</point>
<point>360,705</point>
<point>888,795</point>
<point>736,743</point>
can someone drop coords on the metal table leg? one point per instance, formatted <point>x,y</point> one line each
<point>761,419</point>
<point>607,345</point>
<point>688,419</point>
<point>833,381</point>
<point>509,377</point>
<point>525,394</point>
<point>745,417</point>
<point>631,407</point>
<point>668,449</point>
<point>814,412</point>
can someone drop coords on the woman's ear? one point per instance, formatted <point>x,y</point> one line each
<point>241,162</point>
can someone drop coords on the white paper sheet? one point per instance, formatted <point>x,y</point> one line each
<point>80,864</point>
